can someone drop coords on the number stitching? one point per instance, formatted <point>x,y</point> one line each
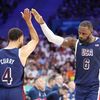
<point>7,76</point>
<point>86,64</point>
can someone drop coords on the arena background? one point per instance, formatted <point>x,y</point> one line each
<point>63,18</point>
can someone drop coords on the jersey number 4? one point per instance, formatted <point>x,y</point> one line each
<point>7,76</point>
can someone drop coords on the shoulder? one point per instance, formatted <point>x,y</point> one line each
<point>33,90</point>
<point>53,95</point>
<point>33,93</point>
<point>47,88</point>
<point>55,87</point>
<point>97,41</point>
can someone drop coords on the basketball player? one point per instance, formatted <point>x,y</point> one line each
<point>13,58</point>
<point>87,57</point>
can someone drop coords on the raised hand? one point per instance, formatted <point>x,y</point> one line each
<point>26,14</point>
<point>37,16</point>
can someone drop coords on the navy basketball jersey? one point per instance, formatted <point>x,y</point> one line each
<point>11,69</point>
<point>36,94</point>
<point>87,63</point>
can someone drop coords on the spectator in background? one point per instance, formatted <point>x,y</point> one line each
<point>71,91</point>
<point>50,84</point>
<point>38,90</point>
<point>70,72</point>
<point>28,84</point>
<point>59,82</point>
<point>60,94</point>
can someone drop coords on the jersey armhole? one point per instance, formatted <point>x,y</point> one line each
<point>19,57</point>
<point>76,51</point>
<point>76,47</point>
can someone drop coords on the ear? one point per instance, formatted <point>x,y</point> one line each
<point>19,39</point>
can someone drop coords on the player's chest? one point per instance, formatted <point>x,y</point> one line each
<point>88,51</point>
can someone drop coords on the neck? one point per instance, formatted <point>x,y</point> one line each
<point>38,88</point>
<point>12,45</point>
<point>59,85</point>
<point>91,39</point>
<point>59,91</point>
<point>49,86</point>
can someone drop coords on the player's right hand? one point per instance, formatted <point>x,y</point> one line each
<point>26,14</point>
<point>37,16</point>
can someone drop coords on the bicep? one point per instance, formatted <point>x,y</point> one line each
<point>69,42</point>
<point>29,48</point>
<point>26,50</point>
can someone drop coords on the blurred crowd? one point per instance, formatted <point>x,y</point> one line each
<point>50,70</point>
<point>6,8</point>
<point>79,9</point>
<point>52,65</point>
<point>72,12</point>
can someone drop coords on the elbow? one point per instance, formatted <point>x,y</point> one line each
<point>37,41</point>
<point>51,39</point>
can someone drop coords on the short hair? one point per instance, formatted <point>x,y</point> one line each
<point>14,34</point>
<point>64,87</point>
<point>52,78</point>
<point>36,78</point>
<point>87,23</point>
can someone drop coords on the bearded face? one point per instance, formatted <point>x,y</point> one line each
<point>84,34</point>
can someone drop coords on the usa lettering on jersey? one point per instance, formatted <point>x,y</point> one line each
<point>87,52</point>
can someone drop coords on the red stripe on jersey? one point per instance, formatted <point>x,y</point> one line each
<point>23,94</point>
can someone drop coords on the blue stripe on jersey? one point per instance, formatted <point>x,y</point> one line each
<point>87,63</point>
<point>11,69</point>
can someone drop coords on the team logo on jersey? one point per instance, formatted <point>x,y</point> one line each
<point>87,52</point>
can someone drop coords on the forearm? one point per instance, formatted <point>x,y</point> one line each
<point>50,35</point>
<point>32,31</point>
<point>47,32</point>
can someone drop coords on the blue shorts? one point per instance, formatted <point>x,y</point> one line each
<point>12,94</point>
<point>86,93</point>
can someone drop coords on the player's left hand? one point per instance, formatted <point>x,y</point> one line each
<point>37,16</point>
<point>26,14</point>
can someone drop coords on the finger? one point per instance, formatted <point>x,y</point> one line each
<point>34,12</point>
<point>26,10</point>
<point>22,14</point>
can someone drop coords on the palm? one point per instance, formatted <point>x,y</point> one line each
<point>37,16</point>
<point>26,15</point>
